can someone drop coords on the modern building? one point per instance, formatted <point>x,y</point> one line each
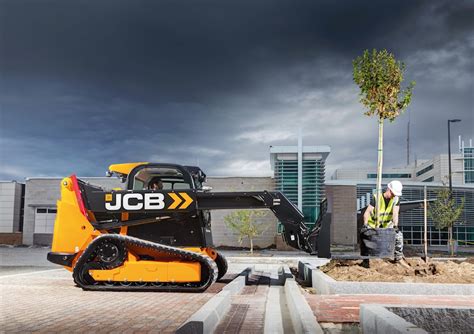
<point>11,211</point>
<point>299,173</point>
<point>467,161</point>
<point>432,170</point>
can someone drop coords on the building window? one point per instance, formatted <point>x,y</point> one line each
<point>468,155</point>
<point>430,179</point>
<point>286,181</point>
<point>424,170</point>
<point>390,176</point>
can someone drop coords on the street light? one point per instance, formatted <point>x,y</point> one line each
<point>449,152</point>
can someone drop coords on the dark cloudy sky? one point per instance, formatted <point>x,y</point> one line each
<point>87,83</point>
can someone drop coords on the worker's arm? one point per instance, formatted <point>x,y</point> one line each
<point>396,210</point>
<point>368,212</point>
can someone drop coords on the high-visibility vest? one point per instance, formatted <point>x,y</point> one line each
<point>385,214</point>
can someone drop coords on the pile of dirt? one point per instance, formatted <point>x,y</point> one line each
<point>380,270</point>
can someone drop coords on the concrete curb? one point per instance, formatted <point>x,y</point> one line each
<point>239,282</point>
<point>325,285</point>
<point>206,319</point>
<point>273,318</point>
<point>301,314</point>
<point>376,318</point>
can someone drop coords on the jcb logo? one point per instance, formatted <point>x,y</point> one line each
<point>146,201</point>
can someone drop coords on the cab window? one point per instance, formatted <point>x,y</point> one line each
<point>166,178</point>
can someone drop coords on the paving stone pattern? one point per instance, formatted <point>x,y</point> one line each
<point>345,308</point>
<point>50,303</point>
<point>247,311</point>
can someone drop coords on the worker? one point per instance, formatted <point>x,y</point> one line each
<point>155,184</point>
<point>389,209</point>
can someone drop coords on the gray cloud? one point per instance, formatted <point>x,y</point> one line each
<point>87,84</point>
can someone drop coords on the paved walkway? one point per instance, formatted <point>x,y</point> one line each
<point>48,302</point>
<point>247,311</point>
<point>345,308</point>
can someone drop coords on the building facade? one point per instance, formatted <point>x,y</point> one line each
<point>432,170</point>
<point>299,173</point>
<point>11,211</point>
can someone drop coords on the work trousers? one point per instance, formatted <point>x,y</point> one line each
<point>398,246</point>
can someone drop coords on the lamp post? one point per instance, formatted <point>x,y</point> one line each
<point>449,153</point>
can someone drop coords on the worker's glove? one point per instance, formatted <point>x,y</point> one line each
<point>367,230</point>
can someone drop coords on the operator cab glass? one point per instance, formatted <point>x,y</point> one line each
<point>171,178</point>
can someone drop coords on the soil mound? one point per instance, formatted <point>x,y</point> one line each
<point>380,270</point>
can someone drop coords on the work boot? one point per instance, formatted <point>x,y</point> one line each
<point>403,263</point>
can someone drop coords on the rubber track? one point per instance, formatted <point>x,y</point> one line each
<point>85,263</point>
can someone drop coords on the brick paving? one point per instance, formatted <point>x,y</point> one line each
<point>247,311</point>
<point>49,302</point>
<point>345,308</point>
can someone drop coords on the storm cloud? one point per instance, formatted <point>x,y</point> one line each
<point>84,84</point>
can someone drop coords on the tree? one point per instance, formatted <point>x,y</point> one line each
<point>445,212</point>
<point>379,76</point>
<point>245,224</point>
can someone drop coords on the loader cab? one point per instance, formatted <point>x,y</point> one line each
<point>173,177</point>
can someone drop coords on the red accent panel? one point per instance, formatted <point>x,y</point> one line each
<point>77,191</point>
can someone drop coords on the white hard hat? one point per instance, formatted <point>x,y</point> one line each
<point>395,187</point>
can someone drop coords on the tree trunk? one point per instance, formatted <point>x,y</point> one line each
<point>451,243</point>
<point>251,246</point>
<point>379,169</point>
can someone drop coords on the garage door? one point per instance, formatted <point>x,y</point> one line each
<point>44,220</point>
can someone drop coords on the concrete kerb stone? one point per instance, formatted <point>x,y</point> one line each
<point>208,316</point>
<point>306,267</point>
<point>239,282</point>
<point>376,318</point>
<point>301,314</point>
<point>327,285</point>
<point>273,316</point>
<point>206,319</point>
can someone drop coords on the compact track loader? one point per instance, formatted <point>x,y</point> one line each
<point>158,239</point>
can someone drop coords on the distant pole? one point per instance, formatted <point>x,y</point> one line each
<point>425,220</point>
<point>449,153</point>
<point>408,143</point>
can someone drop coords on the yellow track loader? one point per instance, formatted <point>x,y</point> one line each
<point>155,235</point>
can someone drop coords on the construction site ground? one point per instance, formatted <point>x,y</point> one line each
<point>37,296</point>
<point>414,269</point>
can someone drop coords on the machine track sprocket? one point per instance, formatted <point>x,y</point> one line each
<point>109,251</point>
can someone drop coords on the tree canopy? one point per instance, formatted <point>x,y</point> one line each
<point>379,76</point>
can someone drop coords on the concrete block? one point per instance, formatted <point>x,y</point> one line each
<point>325,284</point>
<point>377,319</point>
<point>273,317</point>
<point>205,320</point>
<point>301,314</point>
<point>238,283</point>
